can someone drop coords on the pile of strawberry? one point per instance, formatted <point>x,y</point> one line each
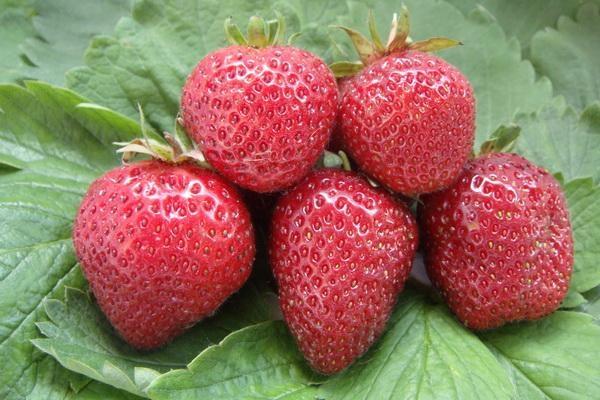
<point>164,242</point>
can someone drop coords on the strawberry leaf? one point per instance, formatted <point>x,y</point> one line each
<point>15,27</point>
<point>569,55</point>
<point>53,143</point>
<point>592,304</point>
<point>99,391</point>
<point>574,299</point>
<point>424,353</point>
<point>129,66</point>
<point>81,339</point>
<point>583,197</point>
<point>523,19</point>
<point>63,30</point>
<point>562,140</point>
<point>51,149</point>
<point>259,362</point>
<point>554,358</point>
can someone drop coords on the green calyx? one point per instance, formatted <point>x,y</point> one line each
<point>333,160</point>
<point>503,140</point>
<point>260,33</point>
<point>175,148</point>
<point>398,41</point>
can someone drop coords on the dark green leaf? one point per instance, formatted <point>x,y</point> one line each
<point>15,27</point>
<point>153,51</point>
<point>523,18</point>
<point>561,140</point>
<point>554,358</point>
<point>82,340</point>
<point>573,299</point>
<point>583,197</point>
<point>65,28</point>
<point>425,354</point>
<point>129,67</point>
<point>592,305</point>
<point>56,148</point>
<point>257,362</point>
<point>569,55</point>
<point>100,391</point>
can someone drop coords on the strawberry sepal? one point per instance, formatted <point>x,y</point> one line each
<point>370,50</point>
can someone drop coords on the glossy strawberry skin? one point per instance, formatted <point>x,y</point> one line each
<point>336,143</point>
<point>162,247</point>
<point>263,116</point>
<point>499,242</point>
<point>341,252</point>
<point>408,120</point>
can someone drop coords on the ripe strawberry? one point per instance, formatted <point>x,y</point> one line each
<point>162,247</point>
<point>499,242</point>
<point>341,251</point>
<point>408,118</point>
<point>261,115</point>
<point>336,143</point>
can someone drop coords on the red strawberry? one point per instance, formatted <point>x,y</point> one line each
<point>336,143</point>
<point>162,247</point>
<point>341,251</point>
<point>499,242</point>
<point>408,118</point>
<point>261,115</point>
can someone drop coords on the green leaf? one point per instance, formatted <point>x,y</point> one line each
<point>561,140</point>
<point>129,67</point>
<point>55,149</point>
<point>153,51</point>
<point>425,354</point>
<point>592,305</point>
<point>570,55</point>
<point>82,340</point>
<point>502,81</point>
<point>523,19</point>
<point>554,358</point>
<point>65,28</point>
<point>258,362</point>
<point>100,391</point>
<point>15,27</point>
<point>574,299</point>
<point>583,197</point>
<point>502,140</point>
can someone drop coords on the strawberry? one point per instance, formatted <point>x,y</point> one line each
<point>407,117</point>
<point>261,113</point>
<point>336,143</point>
<point>162,246</point>
<point>341,252</point>
<point>499,242</point>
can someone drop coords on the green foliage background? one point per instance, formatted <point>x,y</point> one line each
<point>72,72</point>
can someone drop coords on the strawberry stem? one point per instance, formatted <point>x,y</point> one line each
<point>345,161</point>
<point>333,160</point>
